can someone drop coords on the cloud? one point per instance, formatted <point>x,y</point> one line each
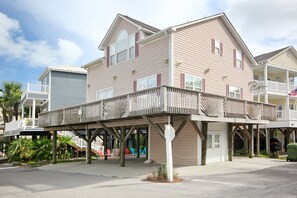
<point>14,46</point>
<point>265,25</point>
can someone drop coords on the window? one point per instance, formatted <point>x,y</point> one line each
<point>213,141</point>
<point>238,59</point>
<point>278,79</point>
<point>292,106</point>
<point>104,94</point>
<point>193,82</point>
<point>123,49</point>
<point>147,82</point>
<point>217,47</point>
<point>291,81</point>
<point>234,92</point>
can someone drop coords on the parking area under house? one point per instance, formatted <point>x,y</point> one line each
<point>149,109</point>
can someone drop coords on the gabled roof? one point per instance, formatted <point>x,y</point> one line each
<point>135,22</point>
<point>63,68</point>
<point>271,55</point>
<point>222,16</point>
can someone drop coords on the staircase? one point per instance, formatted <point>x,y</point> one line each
<point>81,144</point>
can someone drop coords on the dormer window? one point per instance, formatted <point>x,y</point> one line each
<point>123,49</point>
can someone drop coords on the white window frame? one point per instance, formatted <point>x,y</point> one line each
<point>104,90</point>
<point>238,59</point>
<point>233,93</point>
<point>217,47</point>
<point>211,141</point>
<point>127,49</point>
<point>193,87</point>
<point>146,80</point>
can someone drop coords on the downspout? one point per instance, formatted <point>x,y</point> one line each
<point>171,57</point>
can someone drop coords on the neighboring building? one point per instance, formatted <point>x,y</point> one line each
<point>196,76</point>
<point>275,82</point>
<point>59,88</point>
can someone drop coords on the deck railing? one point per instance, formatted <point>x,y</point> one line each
<point>159,100</point>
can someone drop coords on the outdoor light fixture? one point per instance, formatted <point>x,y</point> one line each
<point>133,71</point>
<point>206,70</point>
<point>114,77</point>
<point>224,76</point>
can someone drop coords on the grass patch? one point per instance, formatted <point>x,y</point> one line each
<point>71,160</point>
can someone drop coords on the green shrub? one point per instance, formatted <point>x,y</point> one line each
<point>42,150</point>
<point>20,150</point>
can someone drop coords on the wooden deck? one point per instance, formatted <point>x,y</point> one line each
<point>158,101</point>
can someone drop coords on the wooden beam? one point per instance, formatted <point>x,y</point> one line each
<point>181,126</point>
<point>109,130</point>
<point>97,131</point>
<point>258,141</point>
<point>88,150</point>
<point>129,133</point>
<point>154,126</point>
<point>105,146</point>
<point>239,135</point>
<point>245,131</point>
<point>230,142</point>
<point>77,133</point>
<point>202,137</point>
<point>123,146</point>
<point>204,142</point>
<point>115,130</point>
<point>54,147</point>
<point>251,146</point>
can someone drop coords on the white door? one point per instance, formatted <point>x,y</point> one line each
<point>214,147</point>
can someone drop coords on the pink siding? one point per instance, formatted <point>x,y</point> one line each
<point>184,146</point>
<point>193,48</point>
<point>149,62</point>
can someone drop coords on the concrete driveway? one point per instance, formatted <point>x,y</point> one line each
<point>136,168</point>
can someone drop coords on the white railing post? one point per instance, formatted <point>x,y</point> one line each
<point>101,110</point>
<point>129,104</point>
<point>163,99</point>
<point>198,102</point>
<point>245,109</point>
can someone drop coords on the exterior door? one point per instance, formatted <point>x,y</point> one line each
<point>214,147</point>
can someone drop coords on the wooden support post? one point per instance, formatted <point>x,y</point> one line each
<point>250,129</point>
<point>204,143</point>
<point>258,141</point>
<point>267,141</point>
<point>123,146</point>
<point>230,142</point>
<point>287,138</point>
<point>147,143</point>
<point>88,150</point>
<point>54,147</point>
<point>105,145</point>
<point>138,146</point>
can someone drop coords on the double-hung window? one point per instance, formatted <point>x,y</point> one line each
<point>132,46</point>
<point>239,59</point>
<point>104,94</point>
<point>147,82</point>
<point>217,47</point>
<point>193,82</point>
<point>112,54</point>
<point>234,92</point>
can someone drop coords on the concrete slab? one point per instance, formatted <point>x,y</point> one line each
<point>135,168</point>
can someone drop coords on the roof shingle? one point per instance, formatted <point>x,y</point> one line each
<point>267,56</point>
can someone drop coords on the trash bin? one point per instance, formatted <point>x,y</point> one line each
<point>292,152</point>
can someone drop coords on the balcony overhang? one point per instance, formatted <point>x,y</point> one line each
<point>159,102</point>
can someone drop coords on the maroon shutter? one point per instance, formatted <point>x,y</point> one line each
<point>241,93</point>
<point>182,81</point>
<point>134,85</point>
<point>242,61</point>
<point>203,85</point>
<point>136,44</point>
<point>107,56</point>
<point>159,80</point>
<point>212,45</point>
<point>221,49</point>
<point>234,57</point>
<point>227,90</point>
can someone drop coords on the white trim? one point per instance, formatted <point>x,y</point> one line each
<point>171,59</point>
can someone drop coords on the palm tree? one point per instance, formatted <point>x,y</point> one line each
<point>10,98</point>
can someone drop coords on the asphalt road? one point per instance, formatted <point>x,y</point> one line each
<point>280,181</point>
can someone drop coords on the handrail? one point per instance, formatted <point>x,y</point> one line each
<point>163,99</point>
